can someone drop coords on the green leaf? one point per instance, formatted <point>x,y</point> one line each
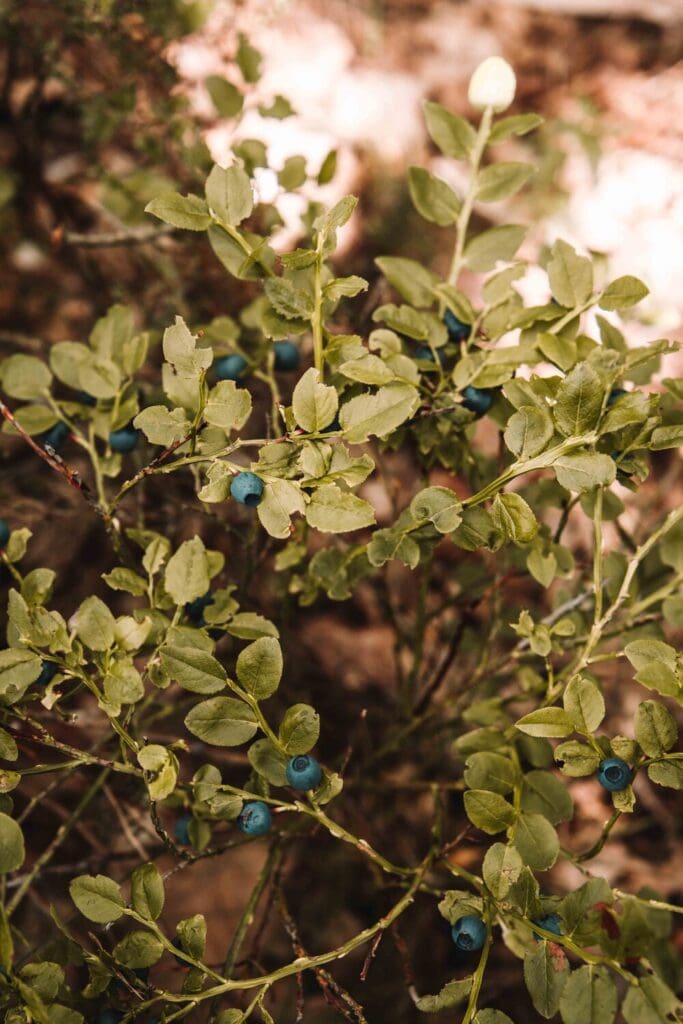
<point>97,897</point>
<point>280,108</point>
<point>126,580</point>
<point>248,59</point>
<point>195,670</point>
<point>666,437</point>
<point>579,401</point>
<point>439,506</point>
<point>138,949</point>
<point>543,793</point>
<point>269,761</point>
<point>545,974</point>
<point>25,377</point>
<point>570,275</point>
<point>189,212</point>
<point>147,891</point>
<point>280,500</point>
<point>161,425</point>
<point>432,198</point>
<point>328,168</point>
<point>560,351</point>
<point>589,997</point>
<point>548,722</point>
<point>536,840</point>
<point>414,282</point>
<point>293,173</point>
<point>123,683</point>
<point>66,359</point>
<point>226,97</point>
<point>222,722</point>
<point>503,179</point>
<point>332,510</point>
<point>577,759</point>
<point>314,404</point>
<point>624,292</point>
<point>162,764</point>
<point>299,729</point>
<point>583,472</point>
<point>453,993</point>
<point>655,728</point>
<point>18,669</point>
<point>379,413</point>
<point>453,135</point>
<point>497,244</point>
<point>666,773</point>
<point>652,1002</point>
<point>95,624</point>
<point>488,811</point>
<point>187,573</point>
<point>528,431</point>
<point>288,300</point>
<point>8,746</point>
<point>513,518</point>
<point>517,124</point>
<point>12,852</point>
<point>489,770</point>
<point>229,195</point>
<point>180,349</point>
<point>227,406</point>
<point>501,868</point>
<point>584,704</point>
<point>492,1017</point>
<point>259,667</point>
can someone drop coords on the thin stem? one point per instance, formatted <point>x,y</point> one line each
<point>463,220</point>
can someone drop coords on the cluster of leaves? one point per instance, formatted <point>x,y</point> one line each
<point>407,386</point>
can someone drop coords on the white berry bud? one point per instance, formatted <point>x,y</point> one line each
<point>493,85</point>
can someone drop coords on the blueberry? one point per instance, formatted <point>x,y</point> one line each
<point>549,922</point>
<point>614,394</point>
<point>181,829</point>
<point>304,772</point>
<point>457,330</point>
<point>85,399</point>
<point>477,400</point>
<point>425,352</point>
<point>247,488</point>
<point>286,356</point>
<point>109,1017</point>
<point>195,609</point>
<point>230,367</point>
<point>332,425</point>
<point>4,533</point>
<point>48,672</point>
<point>254,819</point>
<point>124,440</point>
<point>614,774</point>
<point>469,933</point>
<point>55,436</point>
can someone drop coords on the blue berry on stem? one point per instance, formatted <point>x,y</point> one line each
<point>47,674</point>
<point>124,440</point>
<point>247,488</point>
<point>85,399</point>
<point>425,352</point>
<point>477,400</point>
<point>286,356</point>
<point>615,394</point>
<point>550,923</point>
<point>181,829</point>
<point>457,330</point>
<point>304,772</point>
<point>4,533</point>
<point>614,774</point>
<point>195,609</point>
<point>230,367</point>
<point>254,819</point>
<point>55,436</point>
<point>469,933</point>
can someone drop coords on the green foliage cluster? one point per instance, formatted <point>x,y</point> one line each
<point>187,642</point>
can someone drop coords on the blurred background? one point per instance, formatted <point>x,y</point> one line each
<point>103,105</point>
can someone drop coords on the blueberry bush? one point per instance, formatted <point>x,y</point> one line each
<point>176,684</point>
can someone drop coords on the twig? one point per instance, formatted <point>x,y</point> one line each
<point>107,239</point>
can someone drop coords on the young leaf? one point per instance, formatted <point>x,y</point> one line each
<point>188,212</point>
<point>452,134</point>
<point>624,292</point>
<point>570,275</point>
<point>433,198</point>
<point>147,891</point>
<point>314,404</point>
<point>259,667</point>
<point>97,897</point>
<point>545,973</point>
<point>222,722</point>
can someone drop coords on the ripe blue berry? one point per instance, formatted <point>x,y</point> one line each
<point>230,367</point>
<point>48,672</point>
<point>124,440</point>
<point>85,399</point>
<point>247,488</point>
<point>181,829</point>
<point>477,400</point>
<point>286,356</point>
<point>469,933</point>
<point>550,922</point>
<point>304,772</point>
<point>195,609</point>
<point>254,819</point>
<point>614,774</point>
<point>457,330</point>
<point>4,533</point>
<point>425,352</point>
<point>55,436</point>
<point>614,394</point>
